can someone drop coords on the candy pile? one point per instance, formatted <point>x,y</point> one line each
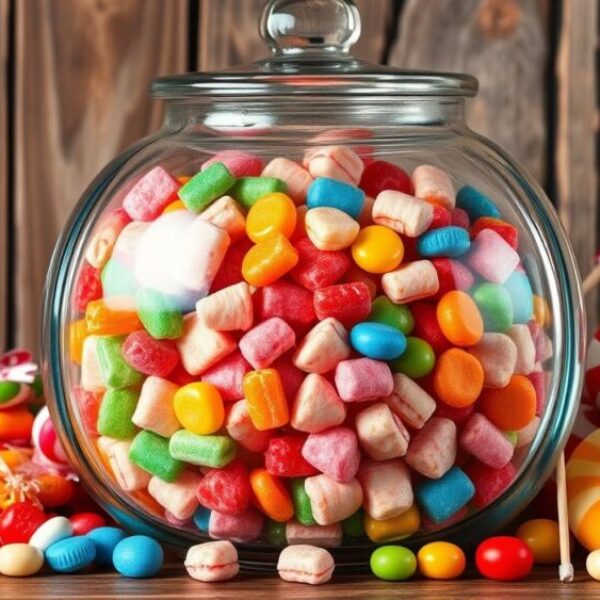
<point>306,352</point>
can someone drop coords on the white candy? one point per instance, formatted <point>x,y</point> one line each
<point>228,309</point>
<point>402,213</point>
<point>179,497</point>
<point>53,530</point>
<point>381,433</point>
<point>412,281</point>
<point>434,185</point>
<point>409,400</point>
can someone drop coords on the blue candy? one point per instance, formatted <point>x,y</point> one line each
<point>444,497</point>
<point>70,555</point>
<point>201,518</point>
<point>138,556</point>
<point>521,294</point>
<point>105,539</point>
<point>445,241</point>
<point>476,204</point>
<point>377,340</point>
<point>332,193</point>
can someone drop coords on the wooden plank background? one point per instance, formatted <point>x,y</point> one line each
<point>74,75</point>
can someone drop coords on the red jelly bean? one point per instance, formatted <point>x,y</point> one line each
<point>284,457</point>
<point>291,376</point>
<point>84,522</point>
<point>148,355</point>
<point>227,376</point>
<point>349,303</point>
<point>318,268</point>
<point>87,288</point>
<point>294,304</point>
<point>504,558</point>
<point>489,483</point>
<point>505,230</point>
<point>231,267</point>
<point>226,490</point>
<point>89,405</point>
<point>18,522</point>
<point>460,218</point>
<point>427,327</point>
<point>382,175</point>
<point>441,218</point>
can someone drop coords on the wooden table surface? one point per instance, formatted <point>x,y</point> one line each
<point>174,583</point>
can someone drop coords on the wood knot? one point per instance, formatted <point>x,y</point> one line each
<point>498,18</point>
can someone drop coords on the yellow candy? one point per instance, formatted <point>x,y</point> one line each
<point>269,260</point>
<point>20,560</point>
<point>377,249</point>
<point>541,311</point>
<point>173,206</point>
<point>77,334</point>
<point>441,560</point>
<point>273,213</point>
<point>199,408</point>
<point>541,535</point>
<point>395,528</point>
<point>13,458</point>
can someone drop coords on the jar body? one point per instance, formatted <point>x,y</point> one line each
<point>407,133</point>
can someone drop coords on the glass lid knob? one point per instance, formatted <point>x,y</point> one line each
<point>306,27</point>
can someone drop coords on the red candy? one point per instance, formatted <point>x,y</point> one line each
<point>227,376</point>
<point>318,268</point>
<point>504,558</point>
<point>382,175</point>
<point>84,522</point>
<point>18,522</point>
<point>89,405</point>
<point>226,490</point>
<point>291,376</point>
<point>458,415</point>
<point>489,483</point>
<point>452,275</point>
<point>150,356</point>
<point>505,230</point>
<point>292,303</point>
<point>87,288</point>
<point>230,271</point>
<point>284,457</point>
<point>427,327</point>
<point>538,378</point>
<point>460,218</point>
<point>349,303</point>
<point>441,218</point>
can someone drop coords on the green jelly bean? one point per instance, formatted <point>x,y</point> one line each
<point>117,279</point>
<point>159,315</point>
<point>383,310</point>
<point>248,190</point>
<point>150,452</point>
<point>302,509</point>
<point>203,450</point>
<point>393,563</point>
<point>512,437</point>
<point>116,410</point>
<point>417,361</point>
<point>275,533</point>
<point>495,306</point>
<point>353,526</point>
<point>206,186</point>
<point>114,370</point>
<point>9,390</point>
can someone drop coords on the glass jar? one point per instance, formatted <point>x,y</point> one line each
<point>512,275</point>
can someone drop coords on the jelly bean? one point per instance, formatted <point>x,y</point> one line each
<point>150,194</point>
<point>445,241</point>
<point>20,560</point>
<point>495,305</point>
<point>505,230</point>
<point>212,561</point>
<point>271,495</point>
<point>54,490</point>
<point>330,229</point>
<point>541,311</point>
<point>233,478</point>
<point>426,326</point>
<point>269,260</point>
<point>114,316</point>
<point>159,315</point>
<point>458,378</point>
<point>88,287</point>
<point>202,518</point>
<point>510,407</point>
<point>50,532</point>
<point>84,522</point>
<point>206,186</point>
<point>353,527</point>
<point>13,393</point>
<point>459,319</point>
<point>377,249</point>
<point>305,564</point>
<point>393,563</point>
<point>338,162</point>
<point>15,424</point>
<point>150,452</point>
<point>301,501</point>
<point>115,414</point>
<point>417,360</point>
<point>296,179</point>
<point>441,560</point>
<point>115,370</point>
<point>138,556</point>
<point>383,310</point>
<point>239,163</point>
<point>346,302</point>
<point>105,539</point>
<point>542,537</point>
<point>395,528</point>
<point>249,190</point>
<point>199,408</point>
<point>274,213</point>
<point>381,175</point>
<point>267,405</point>
<point>284,457</point>
<point>316,268</point>
<point>77,334</point>
<point>377,340</point>
<point>331,193</point>
<point>173,206</point>
<point>476,204</point>
<point>204,450</point>
<point>275,533</point>
<point>504,558</point>
<point>70,555</point>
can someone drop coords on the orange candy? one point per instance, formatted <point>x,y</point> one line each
<point>15,424</point>
<point>77,334</point>
<point>271,495</point>
<point>173,206</point>
<point>55,490</point>
<point>112,316</point>
<point>273,213</point>
<point>458,378</point>
<point>459,318</point>
<point>512,407</point>
<point>13,458</point>
<point>267,405</point>
<point>541,311</point>
<point>269,260</point>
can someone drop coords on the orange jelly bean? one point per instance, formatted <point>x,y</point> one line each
<point>13,458</point>
<point>173,206</point>
<point>77,334</point>
<point>267,405</point>
<point>112,316</point>
<point>269,260</point>
<point>512,407</point>
<point>273,213</point>
<point>458,378</point>
<point>15,424</point>
<point>541,311</point>
<point>459,318</point>
<point>271,495</point>
<point>54,490</point>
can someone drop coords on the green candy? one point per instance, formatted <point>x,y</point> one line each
<point>37,386</point>
<point>206,186</point>
<point>150,452</point>
<point>275,533</point>
<point>417,361</point>
<point>248,190</point>
<point>393,563</point>
<point>353,526</point>
<point>495,306</point>
<point>203,450</point>
<point>383,310</point>
<point>9,390</point>
<point>512,437</point>
<point>117,279</point>
<point>159,315</point>
<point>116,410</point>
<point>114,370</point>
<point>302,509</point>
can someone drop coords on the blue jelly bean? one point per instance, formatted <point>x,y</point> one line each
<point>335,194</point>
<point>70,554</point>
<point>105,539</point>
<point>138,556</point>
<point>201,518</point>
<point>476,204</point>
<point>445,241</point>
<point>444,497</point>
<point>377,340</point>
<point>521,294</point>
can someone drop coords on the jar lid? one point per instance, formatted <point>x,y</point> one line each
<point>310,44</point>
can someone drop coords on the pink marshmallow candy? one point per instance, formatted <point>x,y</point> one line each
<point>237,528</point>
<point>336,162</point>
<point>227,376</point>
<point>521,336</point>
<point>212,561</point>
<point>225,213</point>
<point>150,194</point>
<point>412,281</point>
<point>266,342</point>
<point>483,440</point>
<point>305,564</point>
<point>434,185</point>
<point>129,477</point>
<point>100,247</point>
<point>432,451</point>
<point>491,257</point>
<point>363,379</point>
<point>410,401</point>
<point>179,497</point>
<point>296,178</point>
<point>333,452</point>
<point>239,163</point>
<point>229,309</point>
<point>405,214</point>
<point>332,501</point>
<point>154,410</point>
<point>323,536</point>
<point>497,354</point>
<point>381,433</point>
<point>240,428</point>
<point>324,346</point>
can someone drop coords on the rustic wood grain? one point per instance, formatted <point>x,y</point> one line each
<point>83,68</point>
<point>173,583</point>
<point>4,150</point>
<point>504,44</point>
<point>576,149</point>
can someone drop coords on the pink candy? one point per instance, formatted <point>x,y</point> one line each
<point>239,163</point>
<point>317,405</point>
<point>237,528</point>
<point>150,356</point>
<point>491,257</point>
<point>227,376</point>
<point>414,405</point>
<point>296,178</point>
<point>149,196</point>
<point>363,379</point>
<point>266,342</point>
<point>432,452</point>
<point>292,303</point>
<point>337,162</point>
<point>381,433</point>
<point>485,442</point>
<point>324,346</point>
<point>333,452</point>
